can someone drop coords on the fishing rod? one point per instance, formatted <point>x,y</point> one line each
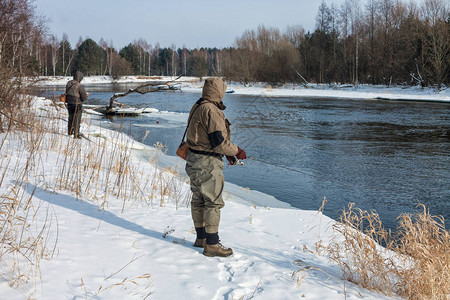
<point>241,163</point>
<point>282,167</point>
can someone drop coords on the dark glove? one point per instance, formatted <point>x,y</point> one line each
<point>231,160</point>
<point>241,154</point>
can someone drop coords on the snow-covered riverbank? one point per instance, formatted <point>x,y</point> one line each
<point>114,243</point>
<point>192,84</point>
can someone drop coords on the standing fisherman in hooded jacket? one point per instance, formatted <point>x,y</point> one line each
<point>75,96</point>
<point>208,138</point>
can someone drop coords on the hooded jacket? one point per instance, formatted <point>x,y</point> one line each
<point>208,129</point>
<point>75,93</point>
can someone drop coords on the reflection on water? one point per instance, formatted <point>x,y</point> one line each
<point>382,155</point>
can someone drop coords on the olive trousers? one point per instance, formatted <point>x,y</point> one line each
<point>207,181</point>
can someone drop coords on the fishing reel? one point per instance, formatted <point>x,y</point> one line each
<point>239,163</point>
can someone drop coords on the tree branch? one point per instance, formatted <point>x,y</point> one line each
<point>300,75</point>
<point>153,87</point>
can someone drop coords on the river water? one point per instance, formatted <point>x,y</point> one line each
<point>382,155</point>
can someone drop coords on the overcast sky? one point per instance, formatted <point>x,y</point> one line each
<point>190,23</point>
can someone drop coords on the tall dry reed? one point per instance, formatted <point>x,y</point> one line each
<point>425,245</point>
<point>25,235</point>
<point>414,262</point>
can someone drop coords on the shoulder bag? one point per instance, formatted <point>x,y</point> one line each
<point>62,97</point>
<point>183,148</point>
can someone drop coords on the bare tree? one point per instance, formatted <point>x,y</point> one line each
<point>66,71</point>
<point>141,45</point>
<point>174,59</point>
<point>64,39</point>
<point>147,52</point>
<point>109,49</point>
<point>218,61</point>
<point>435,13</point>
<point>156,50</point>
<point>345,17</point>
<point>21,33</point>
<point>371,25</point>
<point>150,62</point>
<point>119,66</point>
<point>184,53</point>
<point>355,18</point>
<point>295,35</point>
<point>54,52</point>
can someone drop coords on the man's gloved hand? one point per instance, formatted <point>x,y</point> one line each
<point>241,154</point>
<point>231,160</point>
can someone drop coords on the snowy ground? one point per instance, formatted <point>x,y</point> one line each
<point>108,253</point>
<point>192,84</point>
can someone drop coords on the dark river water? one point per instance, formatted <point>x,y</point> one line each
<point>386,156</point>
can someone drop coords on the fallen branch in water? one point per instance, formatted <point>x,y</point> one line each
<point>142,89</point>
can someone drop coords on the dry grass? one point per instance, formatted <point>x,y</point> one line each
<point>103,169</point>
<point>424,238</point>
<point>98,171</point>
<point>132,285</point>
<point>414,262</point>
<point>25,235</point>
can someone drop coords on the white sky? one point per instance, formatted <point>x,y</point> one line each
<point>193,23</point>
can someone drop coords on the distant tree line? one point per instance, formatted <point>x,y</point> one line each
<point>379,42</point>
<point>375,41</point>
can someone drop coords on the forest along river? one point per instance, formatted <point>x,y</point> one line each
<point>382,155</point>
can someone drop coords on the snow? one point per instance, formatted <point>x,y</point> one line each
<point>128,249</point>
<point>193,84</point>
